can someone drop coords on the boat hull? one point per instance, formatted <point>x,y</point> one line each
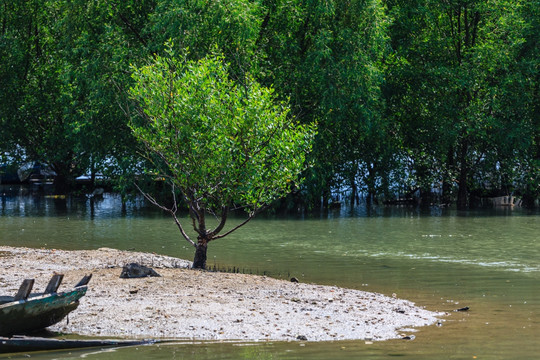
<point>38,312</point>
<point>24,344</point>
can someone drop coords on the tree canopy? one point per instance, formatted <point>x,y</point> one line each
<point>223,145</point>
<point>455,68</point>
<point>436,98</point>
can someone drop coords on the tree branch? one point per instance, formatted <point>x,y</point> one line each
<point>130,26</point>
<point>217,230</point>
<point>251,216</point>
<point>170,211</point>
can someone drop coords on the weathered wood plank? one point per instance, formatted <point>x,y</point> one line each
<point>25,289</point>
<point>54,283</point>
<point>84,281</point>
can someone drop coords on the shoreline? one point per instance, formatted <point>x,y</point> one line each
<point>195,305</point>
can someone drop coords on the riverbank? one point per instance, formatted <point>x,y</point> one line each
<point>199,305</point>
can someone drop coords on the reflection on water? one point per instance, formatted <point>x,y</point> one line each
<point>22,202</point>
<point>439,258</point>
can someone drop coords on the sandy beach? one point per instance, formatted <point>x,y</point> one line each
<point>202,305</point>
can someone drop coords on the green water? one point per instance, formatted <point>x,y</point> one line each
<point>441,259</point>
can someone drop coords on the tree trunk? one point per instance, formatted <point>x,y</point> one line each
<point>63,180</point>
<point>326,195</point>
<point>463,191</point>
<point>199,262</point>
<point>446,196</point>
<point>370,182</point>
<point>92,175</point>
<point>462,201</point>
<point>528,199</point>
<point>61,185</point>
<point>354,193</point>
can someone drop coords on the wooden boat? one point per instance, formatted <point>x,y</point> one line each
<point>24,343</point>
<point>27,312</point>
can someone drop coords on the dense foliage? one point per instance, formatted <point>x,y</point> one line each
<point>437,98</point>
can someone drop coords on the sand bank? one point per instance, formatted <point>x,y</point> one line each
<point>199,305</point>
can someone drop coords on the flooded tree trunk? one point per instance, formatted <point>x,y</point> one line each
<point>354,193</point>
<point>462,196</point>
<point>326,195</point>
<point>446,193</point>
<point>463,190</point>
<point>92,175</point>
<point>64,180</point>
<point>61,184</point>
<point>446,196</point>
<point>370,182</point>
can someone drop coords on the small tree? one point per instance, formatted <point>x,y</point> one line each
<point>220,145</point>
